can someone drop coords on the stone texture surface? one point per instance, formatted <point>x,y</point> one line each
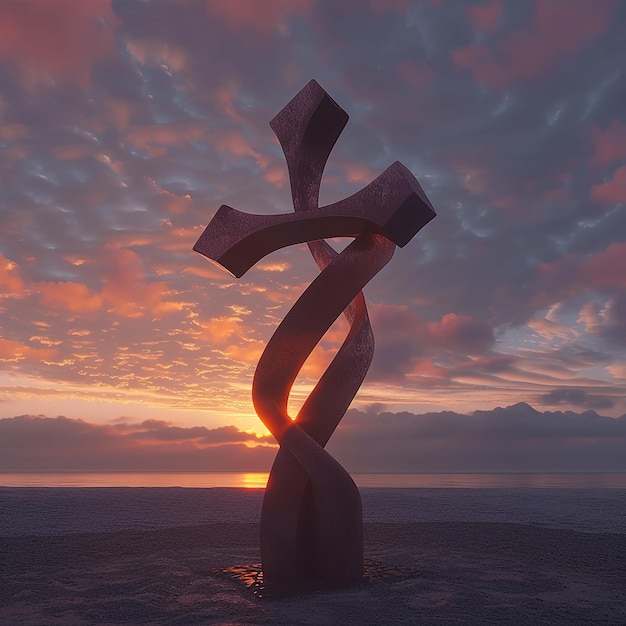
<point>311,522</point>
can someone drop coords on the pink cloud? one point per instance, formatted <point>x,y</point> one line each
<point>426,368</point>
<point>14,132</point>
<point>574,274</point>
<point>557,280</point>
<point>560,29</point>
<point>609,143</point>
<point>590,317</point>
<point>613,191</point>
<point>406,344</point>
<point>491,363</point>
<point>462,333</point>
<point>50,40</point>
<point>251,14</point>
<point>118,113</point>
<point>607,269</point>
<point>485,17</point>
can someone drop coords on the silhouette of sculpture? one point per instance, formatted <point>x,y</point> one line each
<point>311,522</point>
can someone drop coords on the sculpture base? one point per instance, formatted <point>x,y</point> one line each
<point>251,577</point>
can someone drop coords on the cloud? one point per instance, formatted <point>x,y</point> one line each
<point>405,342</point>
<point>15,351</point>
<point>50,40</point>
<point>486,16</point>
<point>462,333</point>
<point>10,277</point>
<point>558,30</point>
<point>612,191</point>
<point>120,138</point>
<point>40,443</point>
<point>609,143</point>
<point>517,438</point>
<point>575,397</point>
<point>246,14</point>
<point>72,297</point>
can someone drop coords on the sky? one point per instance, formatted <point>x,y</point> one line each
<point>124,126</point>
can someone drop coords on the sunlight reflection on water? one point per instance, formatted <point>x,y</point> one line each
<point>258,480</point>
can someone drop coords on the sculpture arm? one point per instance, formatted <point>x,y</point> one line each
<point>393,205</point>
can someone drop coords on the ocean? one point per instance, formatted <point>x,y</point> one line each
<point>73,504</point>
<point>258,480</point>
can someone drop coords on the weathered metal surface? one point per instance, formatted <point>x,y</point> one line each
<point>311,522</point>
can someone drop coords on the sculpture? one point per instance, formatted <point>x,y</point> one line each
<point>311,522</point>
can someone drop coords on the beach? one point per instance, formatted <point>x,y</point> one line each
<point>434,556</point>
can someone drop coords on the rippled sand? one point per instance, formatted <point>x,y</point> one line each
<point>439,572</point>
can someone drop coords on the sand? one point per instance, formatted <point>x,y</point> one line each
<point>445,572</point>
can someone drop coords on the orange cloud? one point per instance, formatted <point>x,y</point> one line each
<point>73,297</point>
<point>17,351</point>
<point>247,352</point>
<point>560,29</point>
<point>149,52</point>
<point>219,330</point>
<point>609,143</point>
<point>276,176</point>
<point>358,173</point>
<point>317,362</point>
<point>10,277</point>
<point>251,14</point>
<point>236,144</point>
<point>155,138</point>
<point>50,40</point>
<point>613,191</point>
<point>125,289</point>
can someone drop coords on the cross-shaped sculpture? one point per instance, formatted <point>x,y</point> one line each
<point>311,522</point>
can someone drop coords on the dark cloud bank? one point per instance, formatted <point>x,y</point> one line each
<point>516,438</point>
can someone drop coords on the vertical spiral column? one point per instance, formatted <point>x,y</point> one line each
<point>311,522</point>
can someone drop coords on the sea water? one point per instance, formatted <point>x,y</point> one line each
<point>256,480</point>
<point>40,511</point>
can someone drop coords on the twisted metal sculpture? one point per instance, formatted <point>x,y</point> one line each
<point>311,522</point>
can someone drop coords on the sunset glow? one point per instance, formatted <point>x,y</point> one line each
<point>125,125</point>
